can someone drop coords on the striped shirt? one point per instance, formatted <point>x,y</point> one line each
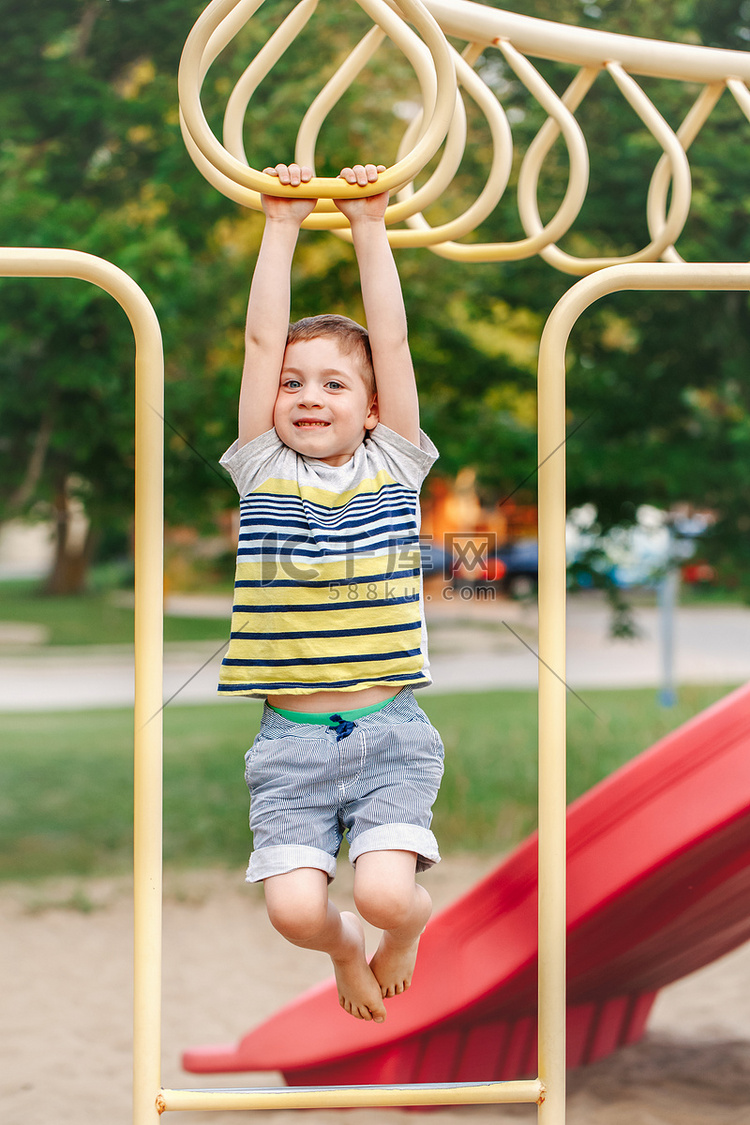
<point>328,592</point>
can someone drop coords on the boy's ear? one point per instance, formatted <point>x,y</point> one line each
<point>373,416</point>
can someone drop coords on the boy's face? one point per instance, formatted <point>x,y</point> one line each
<point>323,407</point>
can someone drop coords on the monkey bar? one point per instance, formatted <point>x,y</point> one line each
<point>442,74</point>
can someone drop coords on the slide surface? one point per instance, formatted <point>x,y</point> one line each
<point>658,886</point>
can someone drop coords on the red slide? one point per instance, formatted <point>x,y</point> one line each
<point>658,886</point>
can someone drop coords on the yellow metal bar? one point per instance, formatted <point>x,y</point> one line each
<point>552,743</point>
<point>561,121</point>
<point>552,594</point>
<point>669,230</point>
<point>584,46</point>
<point>242,183</point>
<point>349,1097</point>
<point>656,204</point>
<point>149,382</point>
<point>421,61</point>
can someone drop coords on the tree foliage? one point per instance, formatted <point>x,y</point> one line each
<point>92,158</point>
<point>658,395</point>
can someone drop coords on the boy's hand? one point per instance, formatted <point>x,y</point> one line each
<point>373,207</point>
<point>291,175</point>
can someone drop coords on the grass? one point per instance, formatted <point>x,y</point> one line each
<point>66,777</point>
<point>94,618</point>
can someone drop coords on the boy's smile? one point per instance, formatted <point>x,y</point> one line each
<point>323,408</point>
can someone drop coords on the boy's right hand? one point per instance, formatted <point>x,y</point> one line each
<point>276,207</point>
<point>372,207</point>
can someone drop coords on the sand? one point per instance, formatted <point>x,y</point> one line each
<point>65,982</point>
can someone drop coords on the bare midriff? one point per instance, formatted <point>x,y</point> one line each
<point>332,701</point>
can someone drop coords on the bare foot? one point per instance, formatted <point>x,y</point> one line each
<point>359,992</point>
<point>393,965</point>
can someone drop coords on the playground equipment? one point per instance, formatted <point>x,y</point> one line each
<point>227,168</point>
<point>658,886</point>
<point>518,39</point>
<point>700,839</point>
<point>149,584</point>
<point>438,67</point>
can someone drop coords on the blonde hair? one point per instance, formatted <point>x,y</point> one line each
<point>351,337</point>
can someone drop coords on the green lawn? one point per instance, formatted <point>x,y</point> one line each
<point>94,619</point>
<point>66,777</point>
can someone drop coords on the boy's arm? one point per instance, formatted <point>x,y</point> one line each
<point>268,306</point>
<point>398,406</point>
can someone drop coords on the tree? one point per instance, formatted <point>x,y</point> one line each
<point>657,392</point>
<point>92,158</point>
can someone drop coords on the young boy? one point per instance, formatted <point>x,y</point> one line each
<point>328,623</point>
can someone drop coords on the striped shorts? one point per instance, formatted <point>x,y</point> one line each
<point>377,784</point>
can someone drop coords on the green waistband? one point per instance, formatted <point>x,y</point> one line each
<point>324,718</point>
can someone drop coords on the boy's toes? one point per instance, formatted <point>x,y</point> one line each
<point>377,1015</point>
<point>395,989</point>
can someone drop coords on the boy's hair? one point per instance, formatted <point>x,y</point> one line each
<point>351,337</point>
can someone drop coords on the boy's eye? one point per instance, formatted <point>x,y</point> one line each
<point>291,384</point>
<point>335,385</point>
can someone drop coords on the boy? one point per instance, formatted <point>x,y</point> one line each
<point>328,623</point>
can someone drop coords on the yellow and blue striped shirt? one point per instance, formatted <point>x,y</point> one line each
<point>328,592</point>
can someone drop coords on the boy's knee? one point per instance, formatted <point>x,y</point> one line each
<point>384,906</point>
<point>297,915</point>
<point>297,927</point>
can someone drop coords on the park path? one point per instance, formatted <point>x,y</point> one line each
<point>474,645</point>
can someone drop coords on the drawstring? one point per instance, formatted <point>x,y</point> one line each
<point>343,726</point>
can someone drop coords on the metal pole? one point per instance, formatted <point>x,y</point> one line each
<point>149,398</point>
<point>667,596</point>
<point>351,1097</point>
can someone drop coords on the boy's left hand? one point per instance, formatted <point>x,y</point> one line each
<point>286,208</point>
<point>373,206</point>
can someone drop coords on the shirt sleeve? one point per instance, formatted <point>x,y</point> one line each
<point>250,463</point>
<point>407,463</point>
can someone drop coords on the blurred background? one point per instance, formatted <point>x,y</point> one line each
<point>658,539</point>
<point>92,158</point>
<point>658,447</point>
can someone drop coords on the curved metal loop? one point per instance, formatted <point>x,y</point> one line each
<point>421,233</point>
<point>681,191</point>
<point>213,30</point>
<point>338,83</point>
<point>267,57</point>
<point>656,203</point>
<point>564,122</point>
<point>455,143</point>
<point>432,58</point>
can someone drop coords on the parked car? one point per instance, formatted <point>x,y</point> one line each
<point>513,568</point>
<point>520,562</point>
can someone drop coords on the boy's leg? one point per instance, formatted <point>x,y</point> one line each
<point>299,908</point>
<point>387,895</point>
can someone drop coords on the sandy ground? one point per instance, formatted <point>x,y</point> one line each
<point>65,983</point>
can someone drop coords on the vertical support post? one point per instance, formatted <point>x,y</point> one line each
<point>667,599</point>
<point>147,778</point>
<point>552,717</point>
<point>147,768</point>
